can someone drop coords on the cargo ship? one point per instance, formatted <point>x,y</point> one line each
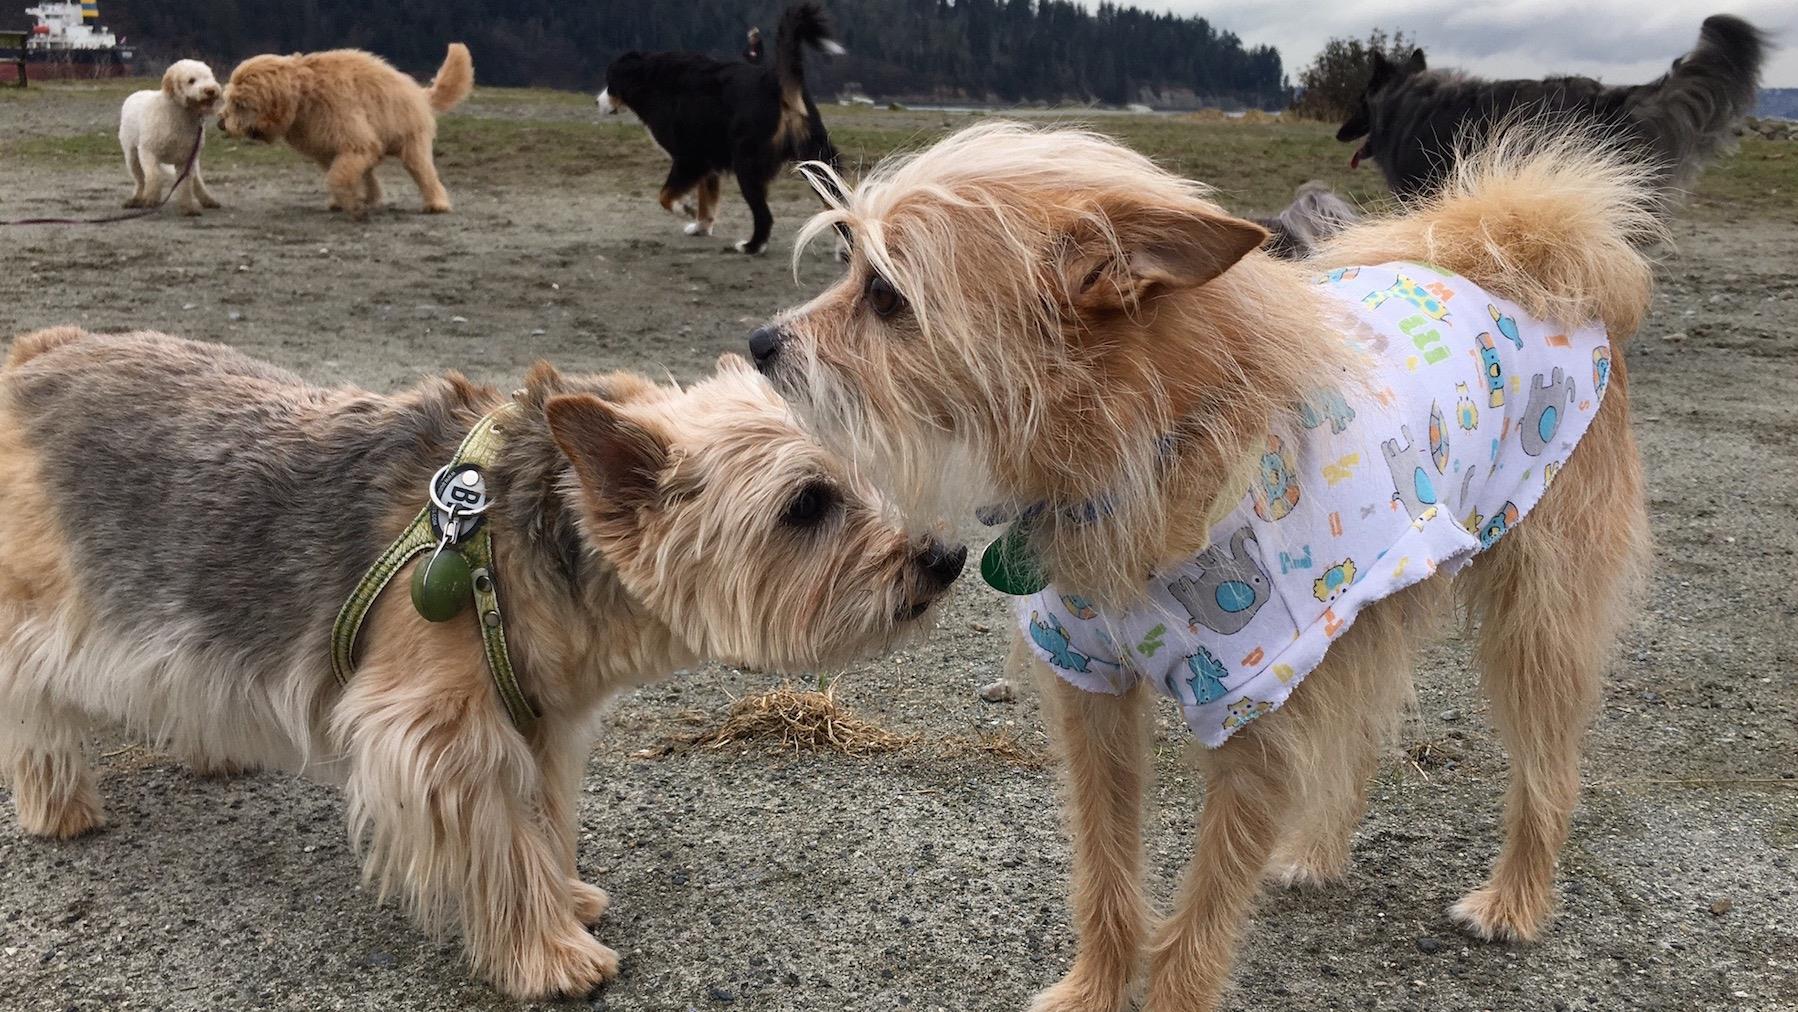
<point>67,40</point>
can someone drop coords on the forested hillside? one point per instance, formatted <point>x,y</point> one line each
<point>1005,50</point>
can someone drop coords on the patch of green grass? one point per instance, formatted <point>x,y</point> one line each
<point>102,146</point>
<point>111,89</point>
<point>1255,167</point>
<point>1759,180</point>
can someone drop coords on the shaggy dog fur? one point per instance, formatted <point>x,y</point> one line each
<point>159,129</point>
<point>185,523</point>
<point>713,117</point>
<point>348,110</point>
<point>1003,335</point>
<point>1412,118</point>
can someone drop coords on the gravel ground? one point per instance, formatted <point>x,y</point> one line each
<point>909,881</point>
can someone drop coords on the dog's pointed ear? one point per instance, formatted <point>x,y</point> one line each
<point>1416,65</point>
<point>1153,249</point>
<point>618,461</point>
<point>1381,69</point>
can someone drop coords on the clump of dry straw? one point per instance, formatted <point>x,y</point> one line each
<point>792,721</point>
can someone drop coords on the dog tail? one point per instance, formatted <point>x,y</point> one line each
<point>454,80</point>
<point>1689,115</point>
<point>1547,214</point>
<point>803,24</point>
<point>1315,214</point>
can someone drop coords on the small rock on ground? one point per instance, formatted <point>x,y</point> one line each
<point>1001,691</point>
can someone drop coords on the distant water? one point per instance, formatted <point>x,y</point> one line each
<point>1781,103</point>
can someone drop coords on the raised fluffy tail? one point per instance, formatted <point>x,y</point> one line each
<point>454,80</point>
<point>801,25</point>
<point>1544,213</point>
<point>1689,115</point>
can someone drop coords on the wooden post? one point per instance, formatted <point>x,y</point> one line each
<point>16,42</point>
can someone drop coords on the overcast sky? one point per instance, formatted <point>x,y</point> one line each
<point>1619,41</point>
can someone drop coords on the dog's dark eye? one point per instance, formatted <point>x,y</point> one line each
<point>883,298</point>
<point>810,506</point>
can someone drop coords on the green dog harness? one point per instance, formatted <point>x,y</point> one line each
<point>460,569</point>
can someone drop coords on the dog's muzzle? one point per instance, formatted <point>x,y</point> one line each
<point>607,104</point>
<point>938,566</point>
<point>764,347</point>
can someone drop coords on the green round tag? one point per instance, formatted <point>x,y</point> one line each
<point>442,587</point>
<point>1008,565</point>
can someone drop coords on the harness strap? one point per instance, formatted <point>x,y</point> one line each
<point>480,448</point>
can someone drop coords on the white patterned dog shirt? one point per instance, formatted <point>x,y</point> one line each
<point>1468,410</point>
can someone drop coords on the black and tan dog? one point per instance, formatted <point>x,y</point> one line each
<point>713,117</point>
<point>184,523</point>
<point>1413,121</point>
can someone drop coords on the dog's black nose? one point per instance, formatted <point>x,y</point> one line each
<point>764,346</point>
<point>942,564</point>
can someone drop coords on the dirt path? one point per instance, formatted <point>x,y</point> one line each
<point>905,882</point>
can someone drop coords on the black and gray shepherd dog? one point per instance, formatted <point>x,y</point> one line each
<point>747,118</point>
<point>1411,119</point>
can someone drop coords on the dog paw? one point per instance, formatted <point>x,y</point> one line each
<point>442,207</point>
<point>570,966</point>
<point>1491,916</point>
<point>750,247</point>
<point>218,769</point>
<point>1303,875</point>
<point>688,208</point>
<point>192,211</point>
<point>210,202</point>
<point>697,228</point>
<point>77,817</point>
<point>1306,870</point>
<point>1081,992</point>
<point>590,902</point>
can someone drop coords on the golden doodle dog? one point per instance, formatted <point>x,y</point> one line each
<point>1242,483</point>
<point>186,523</point>
<point>348,110</point>
<point>160,130</point>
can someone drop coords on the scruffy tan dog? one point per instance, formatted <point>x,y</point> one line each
<point>1048,325</point>
<point>348,110</point>
<point>185,523</point>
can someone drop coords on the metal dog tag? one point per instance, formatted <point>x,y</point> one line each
<point>458,501</point>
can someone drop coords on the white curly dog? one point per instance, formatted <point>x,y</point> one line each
<point>159,129</point>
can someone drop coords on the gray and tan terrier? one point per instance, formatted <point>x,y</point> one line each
<point>185,522</point>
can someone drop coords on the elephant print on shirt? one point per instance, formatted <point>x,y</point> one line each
<point>1229,588</point>
<point>1411,481</point>
<point>1549,403</point>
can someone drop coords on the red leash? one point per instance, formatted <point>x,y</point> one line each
<point>193,158</point>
